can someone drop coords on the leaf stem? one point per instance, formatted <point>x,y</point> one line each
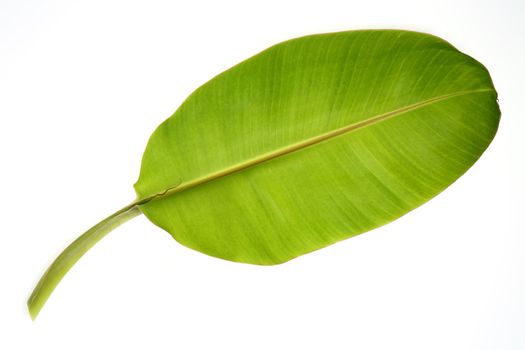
<point>73,253</point>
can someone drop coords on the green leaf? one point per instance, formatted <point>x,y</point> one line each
<point>313,141</point>
<point>316,140</point>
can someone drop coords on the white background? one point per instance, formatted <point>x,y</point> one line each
<point>83,85</point>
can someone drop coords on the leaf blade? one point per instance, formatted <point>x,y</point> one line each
<point>267,103</point>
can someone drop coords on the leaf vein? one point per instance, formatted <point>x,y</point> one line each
<point>304,144</point>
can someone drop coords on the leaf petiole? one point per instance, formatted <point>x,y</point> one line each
<point>73,253</point>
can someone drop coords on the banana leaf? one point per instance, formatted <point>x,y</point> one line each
<point>312,141</point>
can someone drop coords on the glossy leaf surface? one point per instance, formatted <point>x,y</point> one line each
<point>315,140</point>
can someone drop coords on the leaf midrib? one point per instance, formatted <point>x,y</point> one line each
<point>305,144</point>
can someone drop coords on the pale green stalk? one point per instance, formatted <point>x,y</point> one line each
<point>73,253</point>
